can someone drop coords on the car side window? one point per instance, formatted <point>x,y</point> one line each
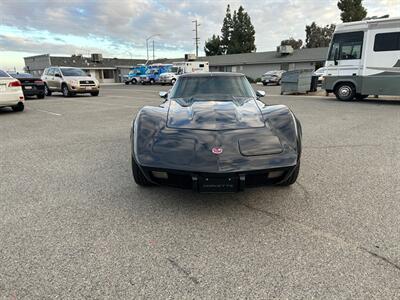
<point>57,71</point>
<point>50,72</point>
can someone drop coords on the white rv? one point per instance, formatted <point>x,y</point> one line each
<point>183,67</point>
<point>364,59</point>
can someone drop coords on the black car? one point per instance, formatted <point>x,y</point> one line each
<point>213,134</point>
<point>31,86</point>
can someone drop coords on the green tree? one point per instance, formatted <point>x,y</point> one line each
<point>226,30</point>
<point>213,46</point>
<point>243,33</point>
<point>317,36</point>
<point>352,10</point>
<point>296,44</point>
<point>237,35</point>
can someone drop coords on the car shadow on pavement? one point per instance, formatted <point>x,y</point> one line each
<point>270,200</point>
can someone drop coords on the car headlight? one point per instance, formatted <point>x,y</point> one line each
<point>73,82</point>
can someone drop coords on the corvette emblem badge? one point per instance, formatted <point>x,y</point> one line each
<point>217,150</point>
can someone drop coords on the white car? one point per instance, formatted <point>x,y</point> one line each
<point>320,73</point>
<point>11,94</point>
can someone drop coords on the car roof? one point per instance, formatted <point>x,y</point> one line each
<point>213,74</point>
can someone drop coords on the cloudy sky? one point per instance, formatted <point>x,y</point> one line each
<point>119,28</point>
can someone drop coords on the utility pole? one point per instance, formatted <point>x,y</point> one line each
<point>196,25</point>
<point>153,51</point>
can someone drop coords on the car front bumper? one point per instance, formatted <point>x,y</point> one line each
<point>84,89</point>
<point>216,182</point>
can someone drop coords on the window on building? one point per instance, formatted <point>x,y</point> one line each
<point>108,74</point>
<point>347,45</point>
<point>387,41</point>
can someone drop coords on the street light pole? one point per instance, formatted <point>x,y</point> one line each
<point>196,26</point>
<point>147,43</point>
<point>153,50</point>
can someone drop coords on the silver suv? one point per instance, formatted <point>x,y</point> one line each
<point>69,81</point>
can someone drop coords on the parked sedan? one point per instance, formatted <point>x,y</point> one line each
<point>31,86</point>
<point>273,77</point>
<point>213,134</point>
<point>11,92</point>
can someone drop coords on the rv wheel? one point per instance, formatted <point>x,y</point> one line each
<point>345,91</point>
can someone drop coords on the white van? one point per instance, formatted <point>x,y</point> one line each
<point>183,67</point>
<point>364,59</point>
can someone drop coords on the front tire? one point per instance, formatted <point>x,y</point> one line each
<point>293,176</point>
<point>152,81</point>
<point>40,96</point>
<point>138,176</point>
<point>65,91</point>
<point>173,81</point>
<point>95,94</point>
<point>345,91</point>
<point>19,107</point>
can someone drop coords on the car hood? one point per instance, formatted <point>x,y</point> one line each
<point>215,115</point>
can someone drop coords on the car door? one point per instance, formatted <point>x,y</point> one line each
<point>345,54</point>
<point>57,79</point>
<point>49,78</point>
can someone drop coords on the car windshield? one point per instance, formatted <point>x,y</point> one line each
<point>212,88</point>
<point>3,74</point>
<point>73,72</point>
<point>174,70</point>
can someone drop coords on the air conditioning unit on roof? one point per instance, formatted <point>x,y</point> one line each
<point>97,57</point>
<point>285,49</point>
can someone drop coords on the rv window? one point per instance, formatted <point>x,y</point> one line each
<point>201,65</point>
<point>387,41</point>
<point>348,44</point>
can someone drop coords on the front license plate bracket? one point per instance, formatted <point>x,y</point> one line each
<point>210,184</point>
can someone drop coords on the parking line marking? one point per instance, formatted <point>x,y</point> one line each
<point>102,103</point>
<point>46,111</point>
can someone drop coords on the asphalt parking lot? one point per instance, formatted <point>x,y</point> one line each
<point>73,224</point>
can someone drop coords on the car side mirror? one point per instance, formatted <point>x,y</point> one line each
<point>163,94</point>
<point>57,75</point>
<point>260,93</point>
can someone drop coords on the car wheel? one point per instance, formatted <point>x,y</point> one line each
<point>138,176</point>
<point>361,97</point>
<point>134,81</point>
<point>19,107</point>
<point>152,81</point>
<point>264,83</point>
<point>293,176</point>
<point>65,91</point>
<point>127,82</point>
<point>40,96</point>
<point>94,93</point>
<point>47,91</point>
<point>345,91</point>
<point>173,81</point>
